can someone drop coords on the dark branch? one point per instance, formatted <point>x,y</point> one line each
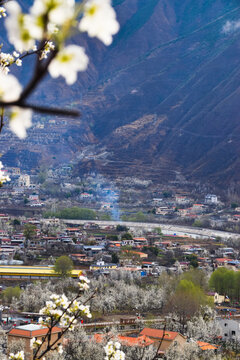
<point>1,119</point>
<point>41,109</point>
<point>39,73</point>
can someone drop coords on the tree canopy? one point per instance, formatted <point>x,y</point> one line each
<point>29,231</point>
<point>73,213</point>
<point>63,266</point>
<point>226,282</point>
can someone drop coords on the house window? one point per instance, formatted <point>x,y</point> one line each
<point>225,324</point>
<point>225,334</point>
<point>233,333</point>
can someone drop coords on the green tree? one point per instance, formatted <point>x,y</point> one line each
<point>197,223</point>
<point>234,205</point>
<point>127,236</point>
<point>63,266</point>
<point>115,258</point>
<point>29,233</point>
<point>237,285</point>
<point>16,222</point>
<point>120,228</point>
<point>216,281</point>
<point>192,260</point>
<point>158,230</point>
<point>187,301</point>
<point>167,194</point>
<point>197,276</point>
<point>9,293</point>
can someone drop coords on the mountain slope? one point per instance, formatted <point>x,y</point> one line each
<point>172,60</point>
<point>164,97</point>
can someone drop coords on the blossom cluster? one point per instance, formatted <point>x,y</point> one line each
<point>2,12</point>
<point>113,352</point>
<point>8,59</point>
<point>18,356</point>
<point>63,311</point>
<point>83,282</point>
<point>35,343</point>
<point>44,29</point>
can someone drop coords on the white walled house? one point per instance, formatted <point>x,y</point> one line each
<point>211,199</point>
<point>230,329</point>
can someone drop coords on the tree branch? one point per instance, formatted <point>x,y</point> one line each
<point>41,109</point>
<point>54,323</point>
<point>1,117</point>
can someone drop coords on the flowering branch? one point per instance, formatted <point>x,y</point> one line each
<point>64,312</point>
<point>43,31</point>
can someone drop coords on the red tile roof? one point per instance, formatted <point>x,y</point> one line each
<point>206,346</point>
<point>34,333</point>
<point>158,334</point>
<point>141,341</point>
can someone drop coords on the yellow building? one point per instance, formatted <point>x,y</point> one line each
<point>30,272</point>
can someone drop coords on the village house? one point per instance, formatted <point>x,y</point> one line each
<point>127,242</point>
<point>167,338</point>
<point>211,199</point>
<point>182,200</point>
<point>140,241</point>
<point>230,329</point>
<point>27,332</point>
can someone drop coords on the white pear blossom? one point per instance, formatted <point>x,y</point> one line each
<point>47,48</point>
<point>65,312</point>
<point>2,12</point>
<point>68,62</point>
<point>99,20</point>
<point>5,61</point>
<point>18,62</point>
<point>113,351</point>
<point>35,343</point>
<point>59,11</point>
<point>18,356</point>
<point>18,26</point>
<point>20,120</point>
<point>10,88</point>
<point>83,282</point>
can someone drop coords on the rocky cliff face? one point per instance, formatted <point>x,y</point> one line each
<point>164,97</point>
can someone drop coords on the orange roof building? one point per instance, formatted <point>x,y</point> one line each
<point>27,332</point>
<point>206,346</point>
<point>166,337</point>
<point>141,341</point>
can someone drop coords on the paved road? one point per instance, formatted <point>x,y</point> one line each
<point>167,229</point>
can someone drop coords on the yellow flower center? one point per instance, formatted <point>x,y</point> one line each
<point>91,11</point>
<point>65,57</point>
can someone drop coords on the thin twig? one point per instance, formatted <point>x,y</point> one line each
<point>1,117</point>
